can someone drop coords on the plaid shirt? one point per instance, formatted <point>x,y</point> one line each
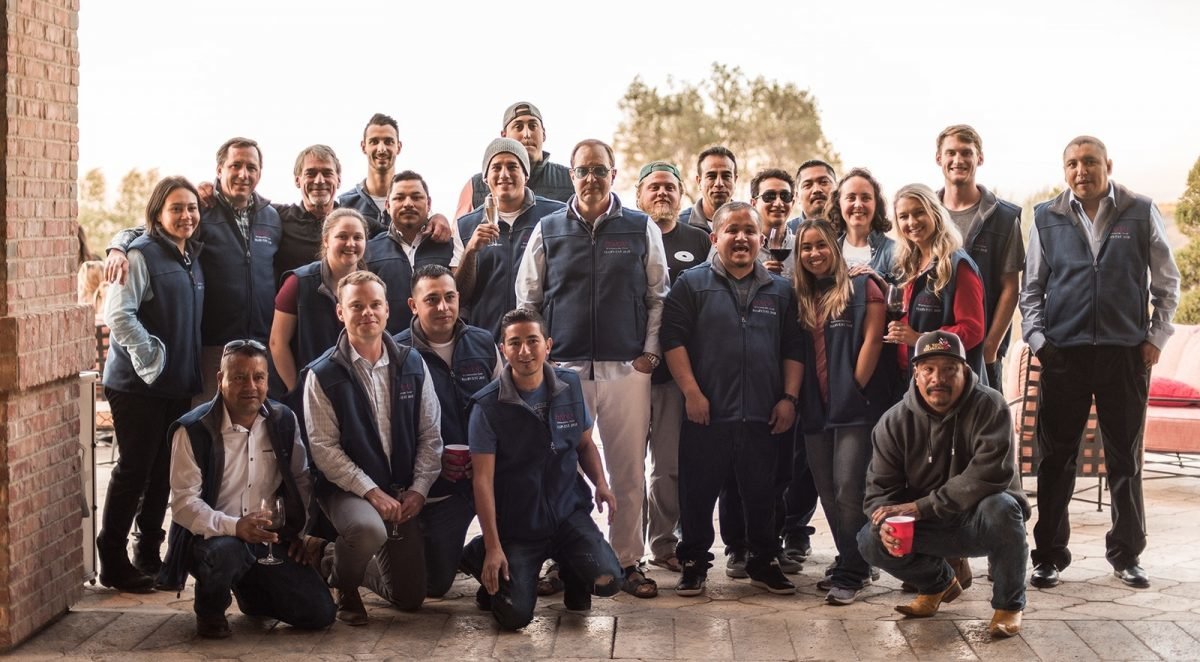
<point>242,216</point>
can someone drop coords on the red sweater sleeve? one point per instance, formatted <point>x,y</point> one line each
<point>285,300</point>
<point>968,307</point>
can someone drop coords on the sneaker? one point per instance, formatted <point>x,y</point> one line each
<point>798,549</point>
<point>735,564</point>
<point>692,581</point>
<point>788,564</point>
<point>841,596</point>
<point>772,579</point>
<point>213,627</point>
<point>826,584</point>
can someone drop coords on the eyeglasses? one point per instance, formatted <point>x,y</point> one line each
<point>599,172</point>
<point>234,345</point>
<point>769,197</point>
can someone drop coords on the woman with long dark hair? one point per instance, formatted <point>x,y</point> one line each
<point>858,214</point>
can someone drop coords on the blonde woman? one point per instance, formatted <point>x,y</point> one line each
<point>942,286</point>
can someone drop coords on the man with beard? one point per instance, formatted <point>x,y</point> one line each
<point>598,271</point>
<point>815,180</point>
<point>660,190</point>
<point>498,232</point>
<point>716,174</point>
<point>523,122</point>
<point>381,145</point>
<point>395,254</point>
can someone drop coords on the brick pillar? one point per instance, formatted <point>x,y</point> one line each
<point>45,338</point>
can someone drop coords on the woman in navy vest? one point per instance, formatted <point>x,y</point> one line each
<point>152,372</point>
<point>858,215</point>
<point>943,289</point>
<point>845,390</point>
<point>306,322</point>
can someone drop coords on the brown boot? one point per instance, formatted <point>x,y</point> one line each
<point>1005,623</point>
<point>350,609</point>
<point>962,570</point>
<point>926,604</point>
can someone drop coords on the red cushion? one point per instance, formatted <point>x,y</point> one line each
<point>1173,393</point>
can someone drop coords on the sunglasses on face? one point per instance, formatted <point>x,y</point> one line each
<point>599,172</point>
<point>770,196</point>
<point>235,345</point>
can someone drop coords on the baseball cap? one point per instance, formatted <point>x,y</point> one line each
<point>939,343</point>
<point>518,109</point>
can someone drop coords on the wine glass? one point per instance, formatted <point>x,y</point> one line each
<point>895,303</point>
<point>491,215</point>
<point>394,526</point>
<point>781,252</point>
<point>271,507</point>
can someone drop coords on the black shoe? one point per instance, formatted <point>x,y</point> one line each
<point>798,549</point>
<point>1133,575</point>
<point>1045,575</point>
<point>692,579</point>
<point>826,584</point>
<point>147,561</point>
<point>121,575</point>
<point>735,564</point>
<point>772,578</point>
<point>580,602</point>
<point>483,599</point>
<point>213,627</point>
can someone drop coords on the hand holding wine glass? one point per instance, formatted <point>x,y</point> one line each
<point>895,307</point>
<point>271,509</point>
<point>491,216</point>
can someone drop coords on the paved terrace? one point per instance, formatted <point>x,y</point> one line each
<point>1091,616</point>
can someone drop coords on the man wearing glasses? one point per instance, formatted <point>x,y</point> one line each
<point>374,427</point>
<point>598,274</point>
<point>228,456</point>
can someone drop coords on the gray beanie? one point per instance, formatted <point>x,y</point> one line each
<point>501,145</point>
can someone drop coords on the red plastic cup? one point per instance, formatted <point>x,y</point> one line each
<point>461,450</point>
<point>461,454</point>
<point>902,528</point>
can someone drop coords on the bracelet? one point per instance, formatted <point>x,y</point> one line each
<point>792,399</point>
<point>653,359</point>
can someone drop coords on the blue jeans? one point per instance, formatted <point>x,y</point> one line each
<point>838,458</point>
<point>289,592</point>
<point>444,524</point>
<point>995,529</point>
<point>584,559</point>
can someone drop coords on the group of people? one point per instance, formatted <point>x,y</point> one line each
<point>364,407</point>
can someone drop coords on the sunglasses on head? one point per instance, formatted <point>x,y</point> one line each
<point>599,172</point>
<point>234,345</point>
<point>770,196</point>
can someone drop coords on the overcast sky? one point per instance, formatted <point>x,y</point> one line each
<point>162,84</point>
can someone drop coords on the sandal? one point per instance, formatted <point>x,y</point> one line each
<point>667,563</point>
<point>638,584</point>
<point>550,583</point>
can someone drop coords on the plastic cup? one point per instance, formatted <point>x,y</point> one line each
<point>902,528</point>
<point>462,455</point>
<point>461,450</point>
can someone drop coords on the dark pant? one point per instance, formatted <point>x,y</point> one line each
<point>995,528</point>
<point>839,459</point>
<point>289,592</point>
<point>584,559</point>
<point>995,373</point>
<point>800,497</point>
<point>1118,379</point>
<point>730,508</point>
<point>444,524</point>
<point>141,481</point>
<point>708,456</point>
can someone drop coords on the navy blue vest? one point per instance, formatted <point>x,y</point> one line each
<point>241,289</point>
<point>356,418</point>
<point>595,287</point>
<point>848,404</point>
<point>474,363</point>
<point>537,478</point>
<point>203,424</point>
<point>317,324</point>
<point>986,247</point>
<point>172,315</point>
<point>1101,300</point>
<point>496,266</point>
<point>388,260</point>
<point>929,312</point>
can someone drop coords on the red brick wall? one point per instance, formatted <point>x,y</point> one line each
<point>45,339</point>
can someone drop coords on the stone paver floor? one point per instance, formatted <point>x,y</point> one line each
<point>1091,616</point>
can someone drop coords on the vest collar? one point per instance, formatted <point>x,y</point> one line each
<point>511,396</point>
<point>420,341</point>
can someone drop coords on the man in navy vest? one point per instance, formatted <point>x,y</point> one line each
<point>374,427</point>
<point>815,180</point>
<point>597,273</point>
<point>716,175</point>
<point>523,123</point>
<point>531,436</point>
<point>381,145</point>
<point>498,233</point>
<point>227,456</point>
<point>991,231</point>
<point>394,254</point>
<point>1098,260</point>
<point>733,343</point>
<point>461,359</point>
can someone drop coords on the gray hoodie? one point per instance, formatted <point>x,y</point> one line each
<point>946,463</point>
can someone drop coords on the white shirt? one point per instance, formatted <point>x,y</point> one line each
<point>251,474</point>
<point>411,249</point>
<point>856,254</point>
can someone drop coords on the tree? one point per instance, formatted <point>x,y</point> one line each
<point>765,123</point>
<point>1187,217</point>
<point>100,220</point>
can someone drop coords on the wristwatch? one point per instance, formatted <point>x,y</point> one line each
<point>792,399</point>
<point>653,359</point>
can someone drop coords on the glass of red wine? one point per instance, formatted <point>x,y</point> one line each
<point>271,508</point>
<point>895,303</point>
<point>783,250</point>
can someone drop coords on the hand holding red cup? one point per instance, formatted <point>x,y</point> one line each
<point>901,527</point>
<point>456,462</point>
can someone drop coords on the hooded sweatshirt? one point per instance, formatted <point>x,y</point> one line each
<point>946,463</point>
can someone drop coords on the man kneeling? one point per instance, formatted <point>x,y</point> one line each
<point>530,433</point>
<point>228,456</point>
<point>943,456</point>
